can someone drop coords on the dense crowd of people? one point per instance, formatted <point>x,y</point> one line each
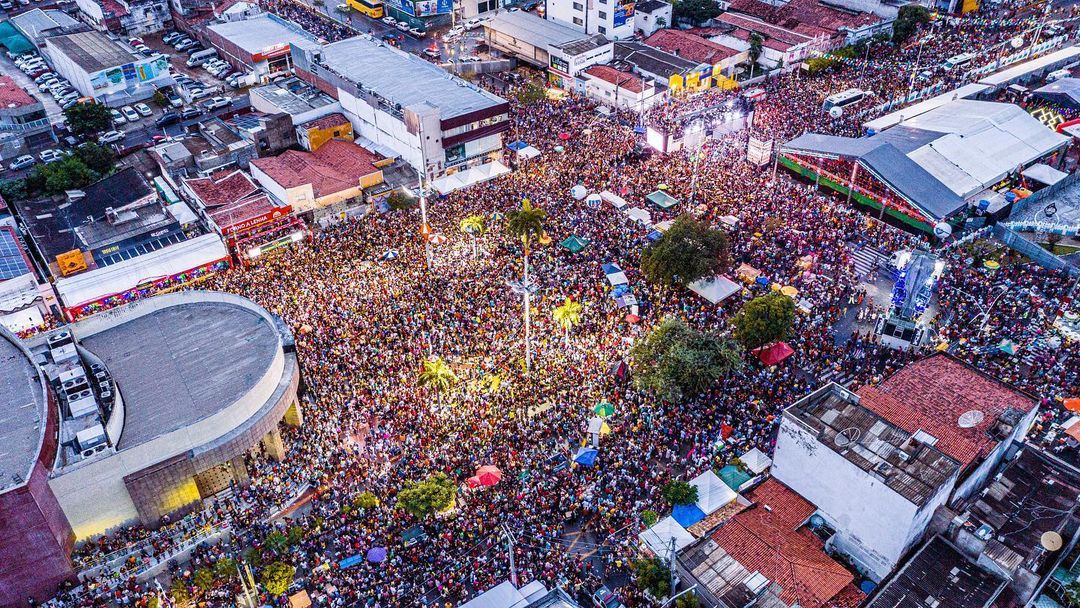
<point>364,324</point>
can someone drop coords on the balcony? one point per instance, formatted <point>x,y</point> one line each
<point>35,125</point>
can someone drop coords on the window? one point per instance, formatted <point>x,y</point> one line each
<point>603,15</point>
<point>578,6</point>
<point>601,29</point>
<point>578,21</point>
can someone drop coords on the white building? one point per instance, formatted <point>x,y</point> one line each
<point>623,90</point>
<point>100,68</point>
<point>612,18</point>
<point>563,51</point>
<point>652,15</point>
<point>877,464</point>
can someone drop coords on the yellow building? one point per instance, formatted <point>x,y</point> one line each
<point>314,133</point>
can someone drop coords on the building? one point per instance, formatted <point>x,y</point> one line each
<point>271,134</point>
<point>929,168</point>
<point>145,432</point>
<point>532,595</point>
<point>23,120</point>
<point>213,146</point>
<point>432,119</point>
<point>314,133</point>
<point>618,89</point>
<point>131,17</point>
<point>425,14</point>
<point>878,463</point>
<point>100,68</point>
<point>326,182</point>
<point>38,24</point>
<point>260,45</point>
<point>716,62</point>
<point>780,47</point>
<point>35,537</point>
<point>300,100</point>
<point>656,65</point>
<point>650,16</point>
<point>561,50</point>
<point>939,576</point>
<point>611,18</point>
<point>842,23</point>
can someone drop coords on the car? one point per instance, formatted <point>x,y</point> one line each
<point>69,96</point>
<point>191,50</point>
<point>389,21</point>
<point>184,80</point>
<point>185,44</point>
<point>217,102</point>
<point>166,119</point>
<point>605,598</point>
<point>24,2</point>
<point>472,24</point>
<point>117,117</point>
<point>135,41</point>
<point>198,93</point>
<point>457,30</point>
<point>390,38</point>
<point>39,72</point>
<point>6,5</point>
<point>403,26</point>
<point>419,33</point>
<point>33,66</point>
<point>21,59</point>
<point>143,109</point>
<point>472,59</point>
<point>22,162</point>
<point>174,99</point>
<point>69,104</point>
<point>431,54</point>
<point>40,78</point>
<point>147,52</point>
<point>226,74</point>
<point>130,114</point>
<point>70,140</point>
<point>189,113</point>
<point>219,72</point>
<point>45,86</point>
<point>178,41</point>
<point>50,156</point>
<point>110,137</point>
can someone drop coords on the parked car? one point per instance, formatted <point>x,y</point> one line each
<point>431,54</point>
<point>70,140</point>
<point>185,44</point>
<point>198,93</point>
<point>45,86</point>
<point>143,109</point>
<point>22,162</point>
<point>403,26</point>
<point>7,5</point>
<point>50,156</point>
<point>174,99</point>
<point>117,117</point>
<point>604,598</point>
<point>389,21</point>
<point>189,113</point>
<point>166,119</point>
<point>175,42</point>
<point>472,24</point>
<point>217,102</point>
<point>110,137</point>
<point>40,78</point>
<point>130,114</point>
<point>419,33</point>
<point>136,41</point>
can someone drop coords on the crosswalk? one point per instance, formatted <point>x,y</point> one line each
<point>843,377</point>
<point>864,258</point>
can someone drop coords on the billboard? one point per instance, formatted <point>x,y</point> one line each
<point>130,74</point>
<point>624,13</point>
<point>423,8</point>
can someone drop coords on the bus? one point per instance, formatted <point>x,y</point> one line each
<point>371,8</point>
<point>843,98</point>
<point>958,61</point>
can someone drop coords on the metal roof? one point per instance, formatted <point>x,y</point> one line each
<point>534,30</point>
<point>1060,57</point>
<point>899,116</point>
<point>939,576</point>
<point>92,51</point>
<point>1064,92</point>
<point>22,412</point>
<point>264,31</point>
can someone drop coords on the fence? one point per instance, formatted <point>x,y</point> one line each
<point>1032,250</point>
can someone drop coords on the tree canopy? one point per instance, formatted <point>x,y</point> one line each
<point>422,498</point>
<point>679,492</point>
<point>764,320</point>
<point>908,19</point>
<point>526,223</point>
<point>688,251</point>
<point>88,118</point>
<point>97,158</point>
<point>653,576</point>
<point>277,577</point>
<point>695,11</point>
<point>677,362</point>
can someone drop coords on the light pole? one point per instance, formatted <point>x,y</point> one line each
<point>866,59</point>
<point>1015,43</point>
<point>918,57</point>
<point>526,288</point>
<point>985,312</point>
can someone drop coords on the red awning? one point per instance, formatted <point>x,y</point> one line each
<point>773,353</point>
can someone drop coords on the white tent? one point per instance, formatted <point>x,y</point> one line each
<point>1044,174</point>
<point>712,493</point>
<point>729,220</point>
<point>639,215</point>
<point>715,290</point>
<point>528,152</point>
<point>468,177</point>
<point>658,538</point>
<point>615,200</point>
<point>756,461</point>
<point>664,226</point>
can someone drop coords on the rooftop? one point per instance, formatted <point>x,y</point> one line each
<point>326,122</point>
<point>36,23</point>
<point>293,96</point>
<point>92,51</point>
<point>939,576</point>
<point>691,46</point>
<point>769,30</point>
<point>222,188</point>
<point>534,30</point>
<point>651,6</point>
<point>623,80</point>
<point>652,60</point>
<point>14,96</point>
<point>22,412</point>
<point>14,262</point>
<point>1064,92</point>
<point>229,216</point>
<point>379,68</point>
<point>810,17</point>
<point>264,32</point>
<point>178,365</point>
<point>337,165</point>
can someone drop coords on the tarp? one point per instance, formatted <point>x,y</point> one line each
<point>687,515</point>
<point>528,152</point>
<point>14,42</point>
<point>756,460</point>
<point>658,538</point>
<point>613,199</point>
<point>716,289</point>
<point>713,493</point>
<point>1044,174</point>
<point>1007,346</point>
<point>468,177</point>
<point>517,146</point>
<point>638,214</point>
<point>734,477</point>
<point>729,220</point>
<point>351,561</point>
<point>574,244</point>
<point>615,275</point>
<point>774,353</point>
<point>586,456</point>
<point>662,199</point>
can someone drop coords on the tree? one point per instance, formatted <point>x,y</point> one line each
<point>277,577</point>
<point>71,173</point>
<point>179,592</point>
<point>399,200</point>
<point>649,518</point>
<point>530,94</point>
<point>160,99</point>
<point>365,500</point>
<point>675,361</point>
<point>225,568</point>
<point>688,251</point>
<point>695,11</point>
<point>88,118</point>
<point>764,320</point>
<point>908,19</point>
<point>756,45</point>
<point>527,223</point>
<point>661,22</point>
<point>295,535</point>
<point>1072,593</point>
<point>437,375</point>
<point>422,498</point>
<point>688,600</point>
<point>13,189</point>
<point>277,541</point>
<point>473,226</point>
<point>679,492</point>
<point>204,579</point>
<point>653,576</point>
<point>568,315</point>
<point>99,159</point>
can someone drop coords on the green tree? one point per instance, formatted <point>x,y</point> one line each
<point>756,46</point>
<point>160,99</point>
<point>649,518</point>
<point>689,600</point>
<point>153,602</point>
<point>675,361</point>
<point>204,579</point>
<point>1072,593</point>
<point>70,173</point>
<point>530,94</point>
<point>661,22</point>
<point>422,498</point>
<point>13,189</point>
<point>908,19</point>
<point>438,376</point>
<point>695,11</point>
<point>277,541</point>
<point>179,592</point>
<point>277,577</point>
<point>88,118</point>
<point>764,320</point>
<point>567,315</point>
<point>679,492</point>
<point>527,224</point>
<point>474,226</point>
<point>99,159</point>
<point>225,568</point>
<point>688,251</point>
<point>295,535</point>
<point>399,200</point>
<point>365,500</point>
<point>653,576</point>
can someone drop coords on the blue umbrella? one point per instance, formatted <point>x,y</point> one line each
<point>655,235</point>
<point>376,554</point>
<point>762,281</point>
<point>391,254</point>
<point>620,290</point>
<point>586,456</point>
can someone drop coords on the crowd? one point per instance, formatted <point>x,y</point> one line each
<point>364,325</point>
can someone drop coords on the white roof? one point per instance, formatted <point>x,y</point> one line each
<point>18,293</point>
<point>1008,75</point>
<point>981,142</point>
<point>713,493</point>
<point>22,319</point>
<point>505,595</point>
<point>468,177</point>
<point>263,32</point>
<point>756,460</point>
<point>615,200</point>
<point>1044,174</point>
<point>899,116</point>
<point>715,289</point>
<point>122,276</point>
<point>658,538</point>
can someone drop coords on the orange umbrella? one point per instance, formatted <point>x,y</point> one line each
<point>488,475</point>
<point>1073,405</point>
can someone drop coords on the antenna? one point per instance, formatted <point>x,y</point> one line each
<point>847,437</point>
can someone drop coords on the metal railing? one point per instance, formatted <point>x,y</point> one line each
<point>22,128</point>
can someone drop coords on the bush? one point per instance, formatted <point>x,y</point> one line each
<point>530,94</point>
<point>679,492</point>
<point>649,518</point>
<point>908,19</point>
<point>13,189</point>
<point>179,591</point>
<point>653,576</point>
<point>225,568</point>
<point>97,158</point>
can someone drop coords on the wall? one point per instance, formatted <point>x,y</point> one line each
<point>381,128</point>
<point>314,138</point>
<point>1039,255</point>
<point>646,23</point>
<point>977,479</point>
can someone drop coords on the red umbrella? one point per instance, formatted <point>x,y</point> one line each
<point>488,475</point>
<point>474,482</point>
<point>564,136</point>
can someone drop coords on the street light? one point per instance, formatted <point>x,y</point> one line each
<point>526,288</point>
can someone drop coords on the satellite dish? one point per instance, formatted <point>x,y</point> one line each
<point>578,192</point>
<point>970,419</point>
<point>846,437</point>
<point>942,230</point>
<point>1050,540</point>
<point>836,111</point>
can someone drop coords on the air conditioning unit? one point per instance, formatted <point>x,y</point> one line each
<point>83,404</point>
<point>75,386</point>
<point>71,372</point>
<point>59,339</point>
<point>91,441</point>
<point>63,354</point>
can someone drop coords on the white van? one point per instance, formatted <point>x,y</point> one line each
<point>1058,75</point>
<point>201,57</point>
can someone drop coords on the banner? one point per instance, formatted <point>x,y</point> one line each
<point>623,13</point>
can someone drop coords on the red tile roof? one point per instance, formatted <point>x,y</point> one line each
<point>689,46</point>
<point>806,16</point>
<point>233,215</point>
<point>767,538</point>
<point>337,165</point>
<point>222,188</point>
<point>623,80</point>
<point>327,122</point>
<point>12,95</point>
<point>932,394</point>
<point>770,32</point>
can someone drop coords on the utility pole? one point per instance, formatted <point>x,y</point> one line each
<point>671,568</point>
<point>425,231</point>
<point>510,547</point>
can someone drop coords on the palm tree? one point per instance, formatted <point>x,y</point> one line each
<point>526,224</point>
<point>568,315</point>
<point>473,226</point>
<point>437,375</point>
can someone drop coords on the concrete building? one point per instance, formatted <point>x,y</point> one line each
<point>314,133</point>
<point>146,429</point>
<point>100,68</point>
<point>401,105</point>
<point>23,120</point>
<point>716,60</point>
<point>38,24</point>
<point>611,18</point>
<point>295,97</point>
<point>781,47</point>
<point>561,50</point>
<point>654,64</point>
<point>652,15</point>
<point>843,22</point>
<point>260,45</point>
<point>939,575</point>
<point>131,17</point>
<point>879,463</point>
<point>622,90</point>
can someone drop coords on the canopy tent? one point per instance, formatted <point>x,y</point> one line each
<point>756,460</point>
<point>1008,347</point>
<point>597,426</point>
<point>1073,404</point>
<point>586,456</point>
<point>729,220</point>
<point>376,555</point>
<point>468,177</point>
<point>614,199</point>
<point>713,493</point>
<point>664,226</point>
<point>12,41</point>
<point>747,272</point>
<point>517,146</point>
<point>658,538</point>
<point>734,477</point>
<point>640,215</point>
<point>1044,174</point>
<point>662,199</point>
<point>1064,92</point>
<point>687,515</point>
<point>528,152</point>
<point>716,289</point>
<point>574,244</point>
<point>615,275</point>
<point>774,353</point>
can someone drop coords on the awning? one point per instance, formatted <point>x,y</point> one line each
<point>716,289</point>
<point>639,215</point>
<point>1044,174</point>
<point>662,199</point>
<point>658,538</point>
<point>574,244</point>
<point>468,177</point>
<point>528,152</point>
<point>614,199</point>
<point>615,274</point>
